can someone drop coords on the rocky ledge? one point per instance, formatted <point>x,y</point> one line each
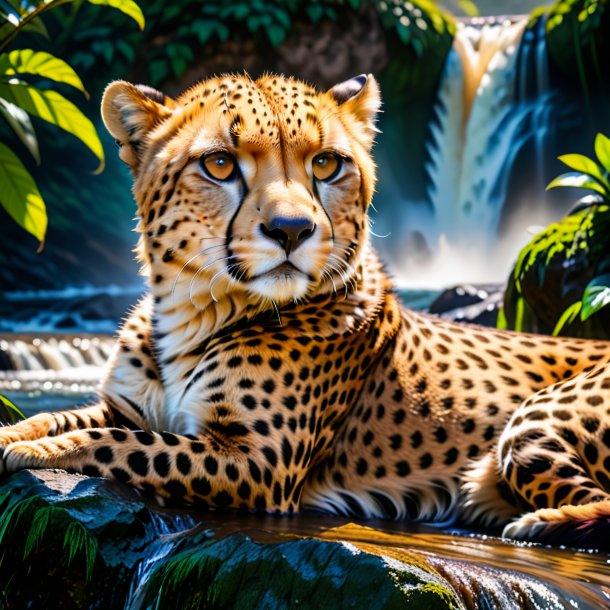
<point>68,541</point>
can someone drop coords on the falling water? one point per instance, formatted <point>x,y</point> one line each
<point>57,353</point>
<point>166,534</point>
<point>476,132</point>
<point>51,372</point>
<point>494,100</point>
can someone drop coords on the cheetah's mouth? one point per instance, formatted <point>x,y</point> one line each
<point>283,270</point>
<point>283,283</point>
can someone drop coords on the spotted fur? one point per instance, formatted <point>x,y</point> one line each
<point>272,368</point>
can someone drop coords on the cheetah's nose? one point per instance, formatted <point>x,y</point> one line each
<point>289,232</point>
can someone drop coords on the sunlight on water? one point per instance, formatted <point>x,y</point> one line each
<point>453,264</point>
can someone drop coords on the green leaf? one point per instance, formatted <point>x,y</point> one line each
<point>27,61</point>
<point>37,26</point>
<point>276,34</point>
<point>7,28</point>
<point>158,71</point>
<point>20,121</point>
<point>315,12</point>
<point>19,195</point>
<point>56,109</point>
<point>595,296</point>
<point>469,8</point>
<point>128,51</point>
<point>129,7</point>
<point>79,542</point>
<point>501,321</point>
<point>404,33</point>
<point>602,150</point>
<point>222,31</point>
<point>283,18</point>
<point>519,312</point>
<point>41,523</point>
<point>578,180</point>
<point>567,317</point>
<point>9,413</point>
<point>583,164</point>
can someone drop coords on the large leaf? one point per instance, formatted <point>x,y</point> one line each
<point>578,180</point>
<point>596,296</point>
<point>9,413</point>
<point>27,61</point>
<point>56,109</point>
<point>567,317</point>
<point>583,164</point>
<point>602,150</point>
<point>126,6</point>
<point>20,121</point>
<point>19,194</point>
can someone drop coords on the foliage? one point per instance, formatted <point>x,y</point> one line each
<point>417,23</point>
<point>19,100</point>
<point>570,260</point>
<point>578,40</point>
<point>9,413</point>
<point>44,523</point>
<point>174,30</point>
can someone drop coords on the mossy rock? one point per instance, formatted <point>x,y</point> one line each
<point>68,541</point>
<point>552,273</point>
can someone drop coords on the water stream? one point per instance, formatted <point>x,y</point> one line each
<point>484,571</point>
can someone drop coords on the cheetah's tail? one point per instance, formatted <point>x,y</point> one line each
<point>581,526</point>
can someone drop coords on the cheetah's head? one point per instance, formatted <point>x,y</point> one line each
<point>252,188</point>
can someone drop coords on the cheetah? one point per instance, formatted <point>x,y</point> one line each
<point>271,366</point>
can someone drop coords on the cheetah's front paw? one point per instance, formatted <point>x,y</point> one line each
<point>30,454</point>
<point>8,436</point>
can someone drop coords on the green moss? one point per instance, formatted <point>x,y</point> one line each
<point>84,542</point>
<point>302,573</point>
<point>577,39</point>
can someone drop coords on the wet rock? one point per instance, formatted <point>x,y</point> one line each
<point>478,304</point>
<point>93,543</point>
<point>70,542</point>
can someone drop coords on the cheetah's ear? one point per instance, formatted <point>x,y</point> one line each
<point>130,112</point>
<point>360,97</point>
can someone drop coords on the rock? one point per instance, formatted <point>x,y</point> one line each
<point>95,543</point>
<point>71,542</point>
<point>468,303</point>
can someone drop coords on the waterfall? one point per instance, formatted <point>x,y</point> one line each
<point>494,104</point>
<point>165,536</point>
<point>474,135</point>
<point>40,373</point>
<point>55,353</point>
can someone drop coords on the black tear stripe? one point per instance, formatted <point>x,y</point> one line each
<point>245,192</point>
<point>319,200</point>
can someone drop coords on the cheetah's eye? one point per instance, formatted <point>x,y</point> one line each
<point>326,166</point>
<point>219,165</point>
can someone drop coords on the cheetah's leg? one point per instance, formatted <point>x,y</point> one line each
<point>184,469</point>
<point>486,497</point>
<point>555,455</point>
<point>52,424</point>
